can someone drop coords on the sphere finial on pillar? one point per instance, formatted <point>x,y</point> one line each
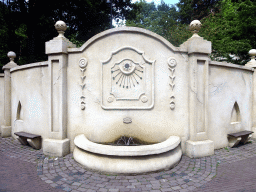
<point>252,53</point>
<point>11,55</point>
<point>194,27</point>
<point>61,27</point>
<point>252,62</point>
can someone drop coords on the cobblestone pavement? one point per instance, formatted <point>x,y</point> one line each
<point>64,174</point>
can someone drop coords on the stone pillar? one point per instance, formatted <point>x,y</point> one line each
<point>6,129</point>
<point>252,63</point>
<point>57,144</point>
<point>199,49</point>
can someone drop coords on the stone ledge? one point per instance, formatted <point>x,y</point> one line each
<point>128,164</point>
<point>31,65</point>
<point>83,143</point>
<point>230,65</point>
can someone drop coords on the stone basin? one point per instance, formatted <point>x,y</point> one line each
<point>127,159</point>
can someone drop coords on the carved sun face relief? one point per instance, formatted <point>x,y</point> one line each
<point>127,80</point>
<point>127,74</point>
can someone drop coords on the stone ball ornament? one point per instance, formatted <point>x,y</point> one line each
<point>60,26</point>
<point>252,62</point>
<point>11,55</point>
<point>195,26</point>
<point>252,53</point>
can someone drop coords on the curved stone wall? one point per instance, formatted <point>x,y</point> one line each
<point>1,100</point>
<point>229,85</point>
<point>30,105</point>
<point>98,108</point>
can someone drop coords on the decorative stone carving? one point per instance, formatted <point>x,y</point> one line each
<point>127,80</point>
<point>111,99</point>
<point>172,64</point>
<point>83,64</point>
<point>11,64</point>
<point>61,27</point>
<point>252,62</point>
<point>11,55</point>
<point>144,99</point>
<point>172,103</point>
<point>127,120</point>
<point>194,27</point>
<point>127,74</point>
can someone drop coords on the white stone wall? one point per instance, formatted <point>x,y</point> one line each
<point>105,125</point>
<point>30,88</point>
<point>91,109</point>
<point>228,83</point>
<point>1,99</point>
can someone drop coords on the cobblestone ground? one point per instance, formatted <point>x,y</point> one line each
<point>189,175</point>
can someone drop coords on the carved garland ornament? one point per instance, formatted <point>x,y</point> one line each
<point>172,64</point>
<point>83,65</point>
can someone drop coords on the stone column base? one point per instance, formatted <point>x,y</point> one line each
<point>57,148</point>
<point>197,149</point>
<point>254,134</point>
<point>6,131</point>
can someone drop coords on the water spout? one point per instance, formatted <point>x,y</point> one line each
<point>125,141</point>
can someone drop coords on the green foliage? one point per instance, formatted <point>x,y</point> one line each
<point>161,19</point>
<point>27,25</point>
<point>228,24</point>
<point>232,31</point>
<point>190,10</point>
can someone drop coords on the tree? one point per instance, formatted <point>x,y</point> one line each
<point>161,19</point>
<point>190,10</point>
<point>232,31</point>
<point>30,23</point>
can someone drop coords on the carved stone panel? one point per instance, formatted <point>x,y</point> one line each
<point>83,65</point>
<point>172,63</point>
<point>127,80</point>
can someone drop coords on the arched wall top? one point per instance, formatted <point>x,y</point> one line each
<point>126,29</point>
<point>28,66</point>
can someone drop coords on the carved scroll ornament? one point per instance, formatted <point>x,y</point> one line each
<point>172,63</point>
<point>83,64</point>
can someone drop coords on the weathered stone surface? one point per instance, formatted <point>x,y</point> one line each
<point>54,147</point>
<point>128,72</point>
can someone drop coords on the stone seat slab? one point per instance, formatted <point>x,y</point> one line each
<point>27,135</point>
<point>240,134</point>
<point>239,137</point>
<point>29,139</point>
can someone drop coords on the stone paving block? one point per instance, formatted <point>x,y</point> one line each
<point>48,181</point>
<point>124,190</point>
<point>91,190</point>
<point>67,189</point>
<point>166,189</point>
<point>130,186</point>
<point>114,190</point>
<point>176,188</point>
<point>103,190</point>
<point>81,189</point>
